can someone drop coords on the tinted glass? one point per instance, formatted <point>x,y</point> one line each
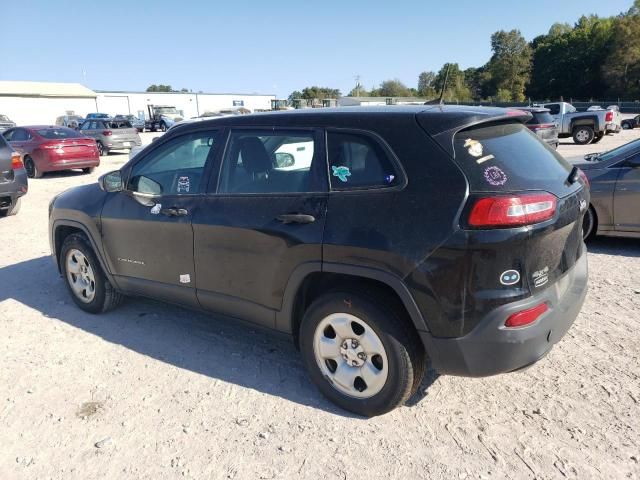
<point>118,124</point>
<point>508,157</point>
<point>176,167</point>
<point>541,117</point>
<point>620,152</point>
<point>19,135</point>
<point>553,109</point>
<point>358,161</point>
<point>58,133</point>
<point>270,162</point>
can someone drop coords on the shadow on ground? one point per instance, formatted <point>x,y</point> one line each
<point>217,347</point>
<point>624,247</point>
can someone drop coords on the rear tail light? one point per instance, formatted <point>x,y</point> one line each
<point>16,161</point>
<point>107,133</point>
<point>512,211</point>
<point>541,126</point>
<point>608,117</point>
<point>526,317</point>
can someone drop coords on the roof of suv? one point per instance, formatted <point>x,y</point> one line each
<point>434,118</point>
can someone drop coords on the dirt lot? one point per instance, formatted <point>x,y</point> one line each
<point>152,391</point>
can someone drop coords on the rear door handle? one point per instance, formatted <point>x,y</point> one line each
<point>296,218</point>
<point>174,212</point>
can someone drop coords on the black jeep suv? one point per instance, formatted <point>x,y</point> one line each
<point>375,237</point>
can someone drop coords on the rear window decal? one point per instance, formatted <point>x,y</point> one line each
<point>495,176</point>
<point>155,210</point>
<point>484,159</point>
<point>474,147</point>
<point>341,172</point>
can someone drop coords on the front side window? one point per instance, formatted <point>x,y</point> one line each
<point>175,168</point>
<point>271,162</point>
<point>358,161</point>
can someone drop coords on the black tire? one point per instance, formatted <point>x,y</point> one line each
<point>88,170</point>
<point>105,298</point>
<point>31,168</point>
<point>12,210</point>
<point>626,126</point>
<point>589,224</point>
<point>598,137</point>
<point>102,150</point>
<point>163,127</point>
<point>405,355</point>
<point>583,134</point>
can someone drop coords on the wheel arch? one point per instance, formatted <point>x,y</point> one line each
<point>312,279</point>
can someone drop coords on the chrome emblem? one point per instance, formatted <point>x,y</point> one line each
<point>583,205</point>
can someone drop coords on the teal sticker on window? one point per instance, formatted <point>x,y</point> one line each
<point>341,172</point>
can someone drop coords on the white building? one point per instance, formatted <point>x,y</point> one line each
<point>190,104</point>
<point>377,101</point>
<point>32,103</point>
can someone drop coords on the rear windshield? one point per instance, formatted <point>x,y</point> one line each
<point>506,157</point>
<point>54,133</point>
<point>118,124</point>
<point>540,117</point>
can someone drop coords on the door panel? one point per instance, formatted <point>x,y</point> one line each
<point>266,219</point>
<point>147,232</point>
<point>626,201</point>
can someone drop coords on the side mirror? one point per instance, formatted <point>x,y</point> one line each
<point>284,160</point>
<point>111,182</point>
<point>154,139</point>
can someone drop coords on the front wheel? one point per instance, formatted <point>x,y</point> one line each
<point>89,287</point>
<point>626,126</point>
<point>583,135</point>
<point>361,352</point>
<point>163,127</point>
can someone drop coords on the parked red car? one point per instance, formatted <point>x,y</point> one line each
<point>47,148</point>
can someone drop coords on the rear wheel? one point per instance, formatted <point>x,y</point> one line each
<point>102,150</point>
<point>88,170</point>
<point>583,135</point>
<point>31,168</point>
<point>12,210</point>
<point>589,224</point>
<point>626,126</point>
<point>89,287</point>
<point>360,352</point>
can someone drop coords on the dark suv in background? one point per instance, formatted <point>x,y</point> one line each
<point>375,237</point>
<point>543,125</point>
<point>13,179</point>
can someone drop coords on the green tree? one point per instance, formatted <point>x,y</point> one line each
<point>296,94</point>
<point>393,88</point>
<point>320,92</point>
<point>425,84</point>
<point>621,69</point>
<point>510,64</point>
<point>159,88</point>
<point>456,89</point>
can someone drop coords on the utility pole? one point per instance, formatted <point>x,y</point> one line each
<point>357,77</point>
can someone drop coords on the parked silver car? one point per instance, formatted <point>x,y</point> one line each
<point>135,121</point>
<point>111,134</point>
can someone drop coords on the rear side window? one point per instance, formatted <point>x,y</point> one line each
<point>118,124</point>
<point>358,161</point>
<point>540,118</point>
<point>553,109</point>
<point>507,157</point>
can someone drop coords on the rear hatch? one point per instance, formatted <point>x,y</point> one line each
<point>123,131</point>
<point>505,160</point>
<point>543,125</point>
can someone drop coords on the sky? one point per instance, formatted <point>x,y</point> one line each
<point>273,47</point>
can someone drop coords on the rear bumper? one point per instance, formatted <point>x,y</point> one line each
<point>10,191</point>
<point>120,144</point>
<point>491,348</point>
<point>71,163</point>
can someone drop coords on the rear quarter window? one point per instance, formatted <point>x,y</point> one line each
<point>506,157</point>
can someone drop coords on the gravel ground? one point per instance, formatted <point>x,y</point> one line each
<point>153,391</point>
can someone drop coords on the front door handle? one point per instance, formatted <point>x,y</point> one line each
<point>296,218</point>
<point>174,212</point>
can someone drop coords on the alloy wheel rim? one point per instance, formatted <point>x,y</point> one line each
<point>350,355</point>
<point>80,276</point>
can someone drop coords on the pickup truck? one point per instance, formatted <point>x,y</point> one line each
<point>584,127</point>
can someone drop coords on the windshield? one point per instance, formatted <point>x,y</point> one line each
<point>58,133</point>
<point>622,150</point>
<point>4,118</point>
<point>163,110</point>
